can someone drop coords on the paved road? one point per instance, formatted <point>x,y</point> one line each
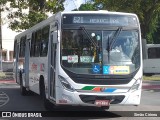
<point>33,102</point>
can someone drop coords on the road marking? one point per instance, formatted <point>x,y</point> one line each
<point>3,99</point>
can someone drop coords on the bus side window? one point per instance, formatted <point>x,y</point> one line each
<point>22,46</point>
<point>15,50</point>
<point>153,53</point>
<point>32,50</point>
<point>38,37</point>
<point>44,41</point>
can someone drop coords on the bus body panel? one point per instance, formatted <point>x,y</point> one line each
<point>151,66</point>
<point>65,97</point>
<point>37,68</point>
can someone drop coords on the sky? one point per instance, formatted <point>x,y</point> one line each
<point>72,4</point>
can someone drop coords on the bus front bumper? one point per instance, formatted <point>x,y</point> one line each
<point>65,97</point>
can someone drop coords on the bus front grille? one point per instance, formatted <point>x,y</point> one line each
<point>91,98</point>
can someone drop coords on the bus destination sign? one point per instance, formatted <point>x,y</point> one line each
<point>112,20</point>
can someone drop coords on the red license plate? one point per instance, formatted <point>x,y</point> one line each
<point>102,102</point>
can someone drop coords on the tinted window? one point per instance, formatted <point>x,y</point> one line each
<point>153,53</point>
<point>22,46</point>
<point>32,51</point>
<point>38,37</point>
<point>15,45</point>
<point>44,41</point>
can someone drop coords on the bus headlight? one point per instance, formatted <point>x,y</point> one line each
<point>66,84</point>
<point>136,85</point>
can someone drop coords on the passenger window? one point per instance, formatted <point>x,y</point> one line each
<point>38,37</point>
<point>44,41</point>
<point>22,46</point>
<point>15,50</point>
<point>32,51</point>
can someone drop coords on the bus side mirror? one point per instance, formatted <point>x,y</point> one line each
<point>55,37</point>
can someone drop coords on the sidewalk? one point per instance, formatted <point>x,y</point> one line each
<point>151,84</point>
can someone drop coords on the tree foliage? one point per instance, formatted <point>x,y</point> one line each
<point>2,7</point>
<point>147,11</point>
<point>88,6</point>
<point>27,13</point>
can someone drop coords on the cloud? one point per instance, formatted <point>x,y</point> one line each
<point>72,4</point>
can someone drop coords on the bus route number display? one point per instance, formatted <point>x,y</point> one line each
<point>112,20</point>
<point>96,20</point>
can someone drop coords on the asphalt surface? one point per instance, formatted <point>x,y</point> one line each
<point>149,88</point>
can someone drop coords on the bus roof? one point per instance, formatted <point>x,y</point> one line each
<point>98,12</point>
<point>153,45</point>
<point>50,19</point>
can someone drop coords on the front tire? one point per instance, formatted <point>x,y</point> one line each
<point>106,108</point>
<point>47,104</point>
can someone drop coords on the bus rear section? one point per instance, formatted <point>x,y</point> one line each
<point>151,64</point>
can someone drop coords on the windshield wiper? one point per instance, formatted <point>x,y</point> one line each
<point>90,38</point>
<point>111,42</point>
<point>113,39</point>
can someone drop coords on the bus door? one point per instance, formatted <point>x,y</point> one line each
<point>52,61</point>
<point>16,61</point>
<point>26,64</point>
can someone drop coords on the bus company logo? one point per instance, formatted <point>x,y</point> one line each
<point>42,68</point>
<point>34,66</point>
<point>102,89</point>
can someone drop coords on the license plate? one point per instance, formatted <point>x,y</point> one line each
<point>102,102</point>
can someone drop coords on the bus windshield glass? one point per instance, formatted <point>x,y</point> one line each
<point>89,51</point>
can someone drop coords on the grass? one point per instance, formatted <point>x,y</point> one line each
<point>151,78</point>
<point>2,74</point>
<point>5,76</point>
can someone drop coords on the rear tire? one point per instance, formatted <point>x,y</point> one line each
<point>22,88</point>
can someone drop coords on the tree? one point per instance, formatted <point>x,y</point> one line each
<point>31,12</point>
<point>2,4</point>
<point>147,11</point>
<point>87,6</point>
<point>156,36</point>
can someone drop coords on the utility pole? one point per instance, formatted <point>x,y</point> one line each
<point>0,40</point>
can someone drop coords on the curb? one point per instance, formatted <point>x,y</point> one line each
<point>151,87</point>
<point>7,81</point>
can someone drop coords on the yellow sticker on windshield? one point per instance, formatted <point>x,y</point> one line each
<point>121,70</point>
<point>116,70</point>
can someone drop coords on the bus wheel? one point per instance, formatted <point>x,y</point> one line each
<point>22,88</point>
<point>148,74</point>
<point>47,104</point>
<point>106,108</point>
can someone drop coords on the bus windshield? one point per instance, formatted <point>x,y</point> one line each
<point>88,51</point>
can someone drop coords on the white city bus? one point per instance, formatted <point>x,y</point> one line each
<point>87,58</point>
<point>151,65</point>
